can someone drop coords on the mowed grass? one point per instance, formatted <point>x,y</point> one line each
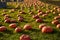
<point>35,33</point>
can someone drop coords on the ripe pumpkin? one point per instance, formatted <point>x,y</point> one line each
<point>18,29</point>
<point>41,26</point>
<point>13,25</point>
<point>2,28</point>
<point>27,27</point>
<point>47,29</point>
<point>25,37</point>
<point>58,26</point>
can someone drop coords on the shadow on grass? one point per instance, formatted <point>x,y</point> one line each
<point>35,30</point>
<point>1,34</point>
<point>25,21</point>
<point>56,32</point>
<point>29,31</point>
<point>51,2</point>
<point>8,32</point>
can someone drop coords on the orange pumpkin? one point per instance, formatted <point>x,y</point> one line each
<point>25,37</point>
<point>35,16</point>
<point>7,20</point>
<point>13,25</point>
<point>20,19</point>
<point>2,28</point>
<point>57,17</point>
<point>44,15</point>
<point>58,26</point>
<point>47,29</point>
<point>41,26</point>
<point>27,27</point>
<point>18,29</point>
<point>39,20</point>
<point>55,22</point>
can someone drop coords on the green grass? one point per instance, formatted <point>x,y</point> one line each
<point>35,33</point>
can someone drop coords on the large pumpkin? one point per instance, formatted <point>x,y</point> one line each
<point>47,30</point>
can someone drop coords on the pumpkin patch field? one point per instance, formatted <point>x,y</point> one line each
<point>30,21</point>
